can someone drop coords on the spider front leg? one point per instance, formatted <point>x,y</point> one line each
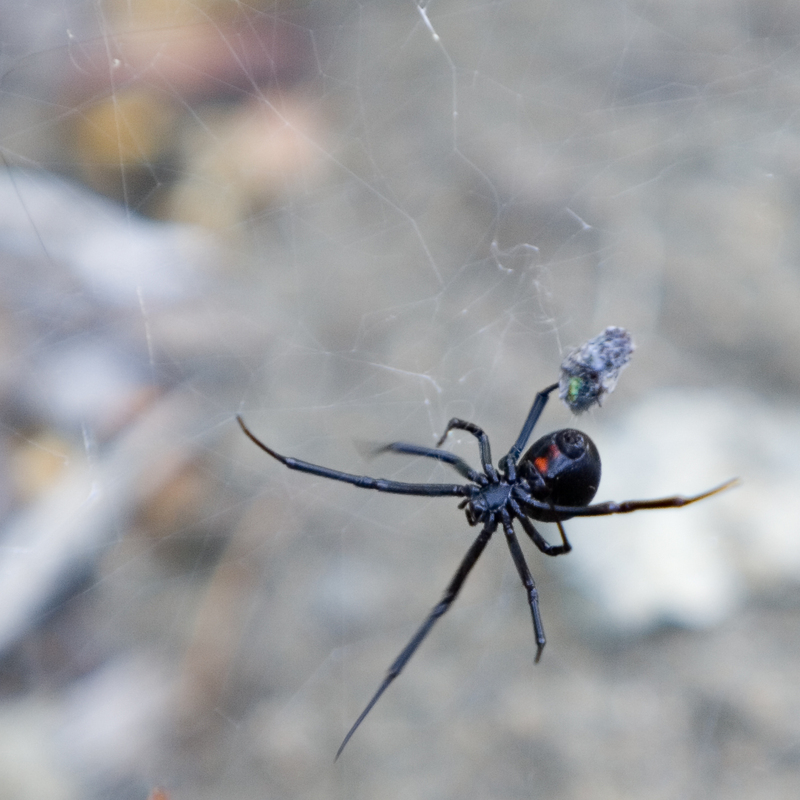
<point>438,610</point>
<point>363,481</point>
<point>527,582</point>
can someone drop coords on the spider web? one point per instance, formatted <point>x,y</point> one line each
<point>349,223</point>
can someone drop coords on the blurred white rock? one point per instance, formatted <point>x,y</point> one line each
<point>691,566</point>
<point>116,255</point>
<point>113,720</point>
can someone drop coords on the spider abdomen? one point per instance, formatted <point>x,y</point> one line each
<point>562,468</point>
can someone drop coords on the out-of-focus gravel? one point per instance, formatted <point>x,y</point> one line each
<point>367,234</point>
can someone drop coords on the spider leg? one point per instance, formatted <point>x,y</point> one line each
<point>364,481</point>
<point>627,506</point>
<point>480,435</point>
<point>539,540</point>
<point>440,455</point>
<point>527,582</point>
<point>539,402</point>
<point>449,595</point>
<point>547,548</point>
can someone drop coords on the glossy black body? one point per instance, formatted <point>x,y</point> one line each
<point>555,480</point>
<point>562,467</point>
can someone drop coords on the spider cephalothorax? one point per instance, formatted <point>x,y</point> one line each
<point>556,479</point>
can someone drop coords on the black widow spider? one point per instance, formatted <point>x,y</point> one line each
<point>556,479</point>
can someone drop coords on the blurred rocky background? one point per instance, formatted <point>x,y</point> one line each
<point>350,222</point>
